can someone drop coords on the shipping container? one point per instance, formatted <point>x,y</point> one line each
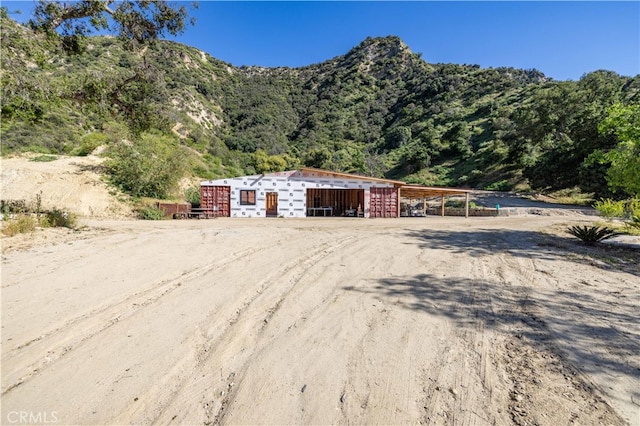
<point>383,202</point>
<point>215,200</point>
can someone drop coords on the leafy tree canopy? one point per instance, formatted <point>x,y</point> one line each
<point>624,172</point>
<point>150,166</point>
<point>134,20</point>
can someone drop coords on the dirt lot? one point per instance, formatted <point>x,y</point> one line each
<point>317,321</point>
<point>431,320</point>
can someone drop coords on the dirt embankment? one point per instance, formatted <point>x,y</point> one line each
<point>73,184</point>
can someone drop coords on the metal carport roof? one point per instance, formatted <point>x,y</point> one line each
<point>419,191</point>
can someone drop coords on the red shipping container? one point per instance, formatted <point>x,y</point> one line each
<point>215,200</point>
<point>383,202</point>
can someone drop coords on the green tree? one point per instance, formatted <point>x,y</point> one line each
<point>151,166</point>
<point>138,21</point>
<point>624,171</point>
<point>558,130</point>
<point>418,158</point>
<point>319,157</point>
<point>397,137</point>
<point>458,137</point>
<point>265,163</point>
<point>132,90</point>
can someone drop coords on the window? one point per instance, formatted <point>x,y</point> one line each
<point>247,197</point>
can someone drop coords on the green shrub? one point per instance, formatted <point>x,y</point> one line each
<point>192,195</point>
<point>13,206</point>
<point>44,158</point>
<point>591,235</point>
<point>459,204</point>
<point>633,207</point>
<point>610,208</point>
<point>59,218</point>
<point>501,185</point>
<point>149,167</point>
<point>21,224</point>
<point>150,213</point>
<point>89,143</point>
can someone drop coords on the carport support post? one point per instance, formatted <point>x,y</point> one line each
<point>466,204</point>
<point>442,205</point>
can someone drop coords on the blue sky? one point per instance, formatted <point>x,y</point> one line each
<point>564,40</point>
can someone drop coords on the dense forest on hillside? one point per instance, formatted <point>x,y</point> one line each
<point>379,110</point>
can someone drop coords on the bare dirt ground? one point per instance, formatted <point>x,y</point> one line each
<point>439,321</point>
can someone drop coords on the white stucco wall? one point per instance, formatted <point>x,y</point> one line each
<point>291,187</point>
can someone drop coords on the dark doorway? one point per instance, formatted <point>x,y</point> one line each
<point>335,202</point>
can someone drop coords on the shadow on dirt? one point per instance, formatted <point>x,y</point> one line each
<point>531,244</point>
<point>95,168</point>
<point>597,326</point>
<point>580,324</point>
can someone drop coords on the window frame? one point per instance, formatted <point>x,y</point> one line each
<point>247,197</point>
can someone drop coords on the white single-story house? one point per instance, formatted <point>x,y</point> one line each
<point>308,192</point>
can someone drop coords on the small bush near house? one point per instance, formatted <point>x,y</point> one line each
<point>590,235</point>
<point>150,166</point>
<point>150,213</point>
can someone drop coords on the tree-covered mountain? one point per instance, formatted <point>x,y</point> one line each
<point>380,109</point>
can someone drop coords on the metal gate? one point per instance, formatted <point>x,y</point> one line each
<point>383,202</point>
<point>216,200</point>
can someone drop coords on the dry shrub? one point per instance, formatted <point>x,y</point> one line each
<point>20,224</point>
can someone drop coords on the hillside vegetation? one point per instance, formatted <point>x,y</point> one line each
<point>380,110</point>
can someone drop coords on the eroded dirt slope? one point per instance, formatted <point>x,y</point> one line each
<point>73,184</point>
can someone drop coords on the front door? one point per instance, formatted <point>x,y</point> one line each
<point>272,204</point>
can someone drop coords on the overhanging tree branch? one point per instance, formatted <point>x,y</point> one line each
<point>138,20</point>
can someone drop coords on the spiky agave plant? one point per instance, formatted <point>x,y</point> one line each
<point>591,234</point>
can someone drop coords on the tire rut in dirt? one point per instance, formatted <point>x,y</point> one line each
<point>107,316</point>
<point>461,390</point>
<point>544,388</point>
<point>248,324</point>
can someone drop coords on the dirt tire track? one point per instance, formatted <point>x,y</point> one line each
<point>109,315</point>
<point>437,321</point>
<point>531,349</point>
<point>292,271</point>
